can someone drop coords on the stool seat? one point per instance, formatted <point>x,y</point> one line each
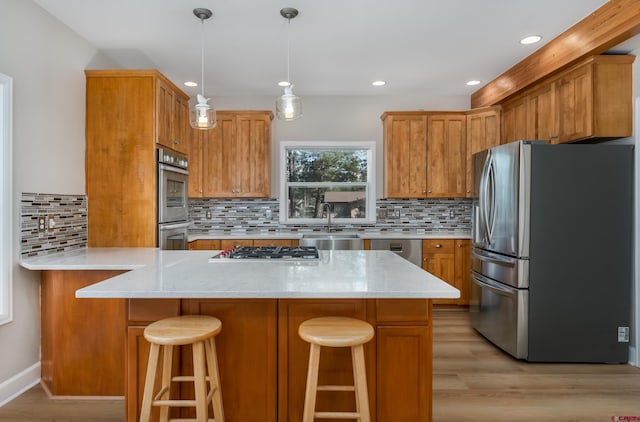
<point>335,331</point>
<point>181,330</point>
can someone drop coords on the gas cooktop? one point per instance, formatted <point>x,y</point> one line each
<point>260,253</point>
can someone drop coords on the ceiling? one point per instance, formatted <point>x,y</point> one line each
<point>338,47</point>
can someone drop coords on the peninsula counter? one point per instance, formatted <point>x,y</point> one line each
<point>262,360</point>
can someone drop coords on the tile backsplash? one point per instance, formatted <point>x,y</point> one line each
<point>221,216</point>
<point>65,223</point>
<point>69,229</point>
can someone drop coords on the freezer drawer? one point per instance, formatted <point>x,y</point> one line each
<point>501,268</point>
<point>500,313</point>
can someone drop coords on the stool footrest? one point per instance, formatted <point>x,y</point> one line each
<point>336,388</point>
<point>337,415</point>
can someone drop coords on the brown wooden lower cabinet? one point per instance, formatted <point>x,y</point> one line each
<point>263,362</point>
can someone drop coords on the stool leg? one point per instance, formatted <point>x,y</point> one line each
<point>200,382</point>
<point>167,360</point>
<point>312,384</point>
<point>149,383</point>
<point>214,379</point>
<point>360,382</point>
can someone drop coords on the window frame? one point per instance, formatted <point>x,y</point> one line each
<point>6,231</point>
<point>370,184</point>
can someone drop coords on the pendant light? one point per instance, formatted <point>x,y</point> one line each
<point>203,115</point>
<point>288,106</point>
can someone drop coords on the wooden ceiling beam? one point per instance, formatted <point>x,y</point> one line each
<point>613,23</point>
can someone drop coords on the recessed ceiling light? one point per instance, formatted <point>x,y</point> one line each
<point>378,83</point>
<point>284,83</point>
<point>532,39</point>
<point>473,82</point>
<point>189,83</point>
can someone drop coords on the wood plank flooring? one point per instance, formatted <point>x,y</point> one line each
<point>473,381</point>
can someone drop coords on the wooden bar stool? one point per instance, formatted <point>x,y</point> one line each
<point>199,331</point>
<point>336,332</point>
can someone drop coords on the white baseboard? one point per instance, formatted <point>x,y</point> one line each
<point>19,383</point>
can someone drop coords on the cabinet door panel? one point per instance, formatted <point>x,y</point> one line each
<point>403,374</point>
<point>542,113</point>
<point>514,120</point>
<point>252,156</point>
<point>575,98</point>
<point>446,156</point>
<point>483,132</point>
<point>218,151</point>
<point>195,143</point>
<point>165,98</point>
<point>405,156</point>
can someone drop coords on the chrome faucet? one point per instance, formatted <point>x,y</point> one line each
<point>327,207</point>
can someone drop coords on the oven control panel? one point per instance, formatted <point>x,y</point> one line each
<point>172,158</point>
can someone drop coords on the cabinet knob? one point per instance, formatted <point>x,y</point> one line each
<point>424,260</point>
<point>176,142</point>
<point>438,245</point>
<point>428,191</point>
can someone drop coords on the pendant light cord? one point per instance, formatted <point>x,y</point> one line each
<point>202,54</point>
<point>288,50</point>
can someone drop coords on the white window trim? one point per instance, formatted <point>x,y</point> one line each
<point>371,180</point>
<point>6,231</point>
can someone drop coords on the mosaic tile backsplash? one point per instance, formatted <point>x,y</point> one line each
<point>220,216</point>
<point>227,216</point>
<point>67,215</point>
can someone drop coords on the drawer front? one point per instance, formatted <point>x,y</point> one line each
<point>438,246</point>
<point>402,311</point>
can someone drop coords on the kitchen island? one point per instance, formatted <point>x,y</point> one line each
<point>262,360</point>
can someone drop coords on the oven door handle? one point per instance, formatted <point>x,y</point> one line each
<point>172,169</point>
<point>484,282</point>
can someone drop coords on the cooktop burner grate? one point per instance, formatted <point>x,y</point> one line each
<point>268,252</point>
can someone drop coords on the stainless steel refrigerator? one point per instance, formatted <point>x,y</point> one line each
<point>552,250</point>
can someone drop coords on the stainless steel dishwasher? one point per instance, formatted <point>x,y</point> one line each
<point>409,249</point>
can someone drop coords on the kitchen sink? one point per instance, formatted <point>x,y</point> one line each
<point>333,241</point>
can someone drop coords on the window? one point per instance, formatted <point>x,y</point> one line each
<point>6,85</point>
<point>339,174</point>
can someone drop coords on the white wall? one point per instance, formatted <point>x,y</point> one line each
<point>46,61</point>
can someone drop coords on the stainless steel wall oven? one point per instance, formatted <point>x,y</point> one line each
<point>173,213</point>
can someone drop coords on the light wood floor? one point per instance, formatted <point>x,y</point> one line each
<point>473,381</point>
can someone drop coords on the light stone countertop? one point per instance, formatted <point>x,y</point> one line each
<point>189,274</point>
<point>417,234</point>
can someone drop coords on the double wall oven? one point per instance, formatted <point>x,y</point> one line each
<point>173,213</point>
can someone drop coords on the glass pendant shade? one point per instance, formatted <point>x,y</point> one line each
<point>203,116</point>
<point>289,105</point>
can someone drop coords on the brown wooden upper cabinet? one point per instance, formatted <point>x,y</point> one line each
<point>405,154</point>
<point>172,117</point>
<point>483,132</point>
<point>589,100</point>
<point>427,154</point>
<point>128,114</point>
<point>232,160</point>
<point>446,155</point>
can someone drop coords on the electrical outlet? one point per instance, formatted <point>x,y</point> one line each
<point>397,213</point>
<point>42,224</point>
<point>267,214</point>
<point>452,214</point>
<point>208,215</point>
<point>51,225</point>
<point>623,334</point>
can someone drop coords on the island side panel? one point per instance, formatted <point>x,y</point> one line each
<point>82,339</point>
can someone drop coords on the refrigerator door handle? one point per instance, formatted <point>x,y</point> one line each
<point>483,199</point>
<point>495,259</point>
<point>485,282</point>
<point>491,198</point>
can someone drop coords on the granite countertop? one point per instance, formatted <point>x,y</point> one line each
<point>284,234</point>
<point>189,274</point>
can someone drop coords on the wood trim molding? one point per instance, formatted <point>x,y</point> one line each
<point>613,23</point>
